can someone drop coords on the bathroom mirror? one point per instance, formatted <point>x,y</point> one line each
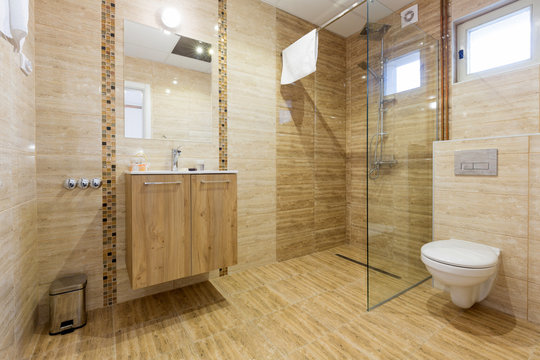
<point>167,85</point>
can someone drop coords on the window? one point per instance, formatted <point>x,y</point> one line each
<point>499,40</point>
<point>137,110</point>
<point>402,73</point>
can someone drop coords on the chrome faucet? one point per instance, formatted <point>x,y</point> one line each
<point>174,159</point>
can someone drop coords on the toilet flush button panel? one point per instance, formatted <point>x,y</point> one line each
<point>481,162</point>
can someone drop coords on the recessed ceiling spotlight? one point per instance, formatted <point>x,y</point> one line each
<point>167,91</point>
<point>170,17</point>
<point>175,82</point>
<point>216,27</point>
<point>211,51</point>
<point>199,49</point>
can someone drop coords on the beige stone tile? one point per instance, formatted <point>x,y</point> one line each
<point>143,310</point>
<point>331,346</point>
<point>236,283</point>
<point>533,303</point>
<point>256,303</point>
<point>474,114</point>
<point>290,329</point>
<point>210,319</point>
<point>507,296</point>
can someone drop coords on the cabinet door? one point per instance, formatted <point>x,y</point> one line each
<point>161,229</point>
<point>213,209</point>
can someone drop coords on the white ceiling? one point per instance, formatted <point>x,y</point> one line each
<point>320,11</point>
<point>145,42</point>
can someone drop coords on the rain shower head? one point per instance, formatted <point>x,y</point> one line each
<point>374,30</point>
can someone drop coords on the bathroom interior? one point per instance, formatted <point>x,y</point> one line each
<point>270,179</point>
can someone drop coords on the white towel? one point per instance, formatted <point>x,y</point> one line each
<point>18,20</point>
<point>4,19</point>
<point>300,58</point>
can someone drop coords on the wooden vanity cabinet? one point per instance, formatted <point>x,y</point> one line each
<point>158,228</point>
<point>179,225</point>
<point>214,231</point>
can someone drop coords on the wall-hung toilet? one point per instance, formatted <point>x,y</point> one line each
<point>465,269</point>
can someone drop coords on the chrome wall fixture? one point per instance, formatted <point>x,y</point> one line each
<point>82,183</point>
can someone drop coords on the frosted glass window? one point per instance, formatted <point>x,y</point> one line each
<point>498,40</point>
<point>503,41</point>
<point>403,73</point>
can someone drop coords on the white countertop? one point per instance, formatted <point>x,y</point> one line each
<point>169,172</point>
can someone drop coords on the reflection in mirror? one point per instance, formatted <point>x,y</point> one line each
<point>167,85</point>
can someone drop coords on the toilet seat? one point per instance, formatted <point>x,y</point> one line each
<point>457,270</point>
<point>461,254</point>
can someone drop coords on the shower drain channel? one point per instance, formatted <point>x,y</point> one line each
<point>369,267</point>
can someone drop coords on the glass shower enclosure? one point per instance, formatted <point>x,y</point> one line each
<point>401,76</point>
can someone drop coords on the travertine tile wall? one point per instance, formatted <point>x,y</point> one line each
<point>501,110</point>
<point>68,143</point>
<point>18,203</point>
<point>251,126</point>
<point>310,146</point>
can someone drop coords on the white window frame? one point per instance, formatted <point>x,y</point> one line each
<point>390,73</point>
<point>461,29</point>
<point>147,106</point>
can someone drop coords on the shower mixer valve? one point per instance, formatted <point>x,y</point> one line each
<point>82,183</point>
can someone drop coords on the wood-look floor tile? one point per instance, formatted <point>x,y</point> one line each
<point>195,296</point>
<point>296,288</point>
<point>295,310</point>
<point>331,309</point>
<point>378,337</point>
<point>236,283</point>
<point>139,311</point>
<point>258,302</point>
<point>290,329</point>
<point>252,342</point>
<point>151,339</point>
<point>210,319</point>
<point>483,333</point>
<point>329,347</point>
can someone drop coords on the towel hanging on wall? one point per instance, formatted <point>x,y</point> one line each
<point>18,20</point>
<point>300,58</point>
<point>4,19</point>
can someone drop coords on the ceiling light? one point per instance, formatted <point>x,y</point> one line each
<point>167,91</point>
<point>175,82</point>
<point>199,49</point>
<point>216,27</point>
<point>170,17</point>
<point>211,51</point>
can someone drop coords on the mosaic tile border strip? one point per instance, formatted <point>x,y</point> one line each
<point>222,68</point>
<point>108,150</point>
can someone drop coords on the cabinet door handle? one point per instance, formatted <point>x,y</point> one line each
<point>214,181</point>
<point>162,182</point>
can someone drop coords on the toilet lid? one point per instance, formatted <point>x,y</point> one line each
<point>461,253</point>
